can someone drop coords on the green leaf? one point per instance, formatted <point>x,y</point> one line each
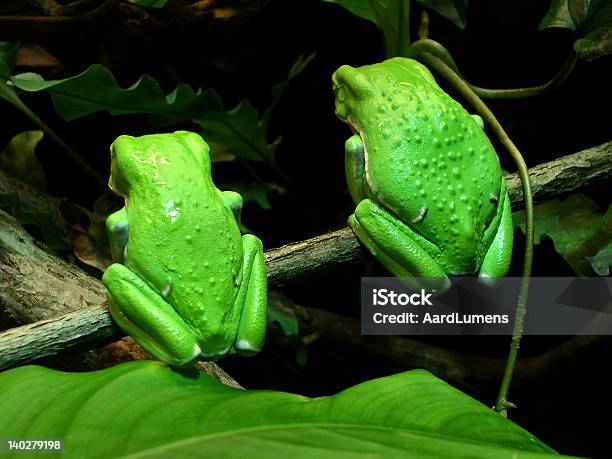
<point>239,130</point>
<point>392,17</point>
<point>359,8</point>
<point>19,190</point>
<point>558,15</point>
<point>149,3</point>
<point>591,20</point>
<point>145,409</point>
<point>597,39</point>
<point>283,316</point>
<point>287,321</point>
<point>579,11</point>
<point>279,88</point>
<point>577,226</point>
<point>453,10</point>
<point>602,261</point>
<point>255,192</point>
<point>19,159</point>
<point>29,207</point>
<point>8,56</point>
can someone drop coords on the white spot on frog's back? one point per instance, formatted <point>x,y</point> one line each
<point>172,210</point>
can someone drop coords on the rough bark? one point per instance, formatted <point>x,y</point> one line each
<point>569,173</point>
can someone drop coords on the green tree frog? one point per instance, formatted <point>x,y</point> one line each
<point>185,283</point>
<point>431,199</point>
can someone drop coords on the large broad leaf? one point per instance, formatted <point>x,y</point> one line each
<point>360,8</point>
<point>591,20</point>
<point>256,192</point>
<point>145,409</point>
<point>96,89</point>
<point>453,10</point>
<point>579,229</point>
<point>392,18</point>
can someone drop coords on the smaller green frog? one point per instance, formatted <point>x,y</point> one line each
<point>185,283</point>
<point>431,199</point>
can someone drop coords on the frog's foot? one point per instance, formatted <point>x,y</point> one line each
<point>497,259</point>
<point>395,244</point>
<point>142,313</point>
<point>253,298</point>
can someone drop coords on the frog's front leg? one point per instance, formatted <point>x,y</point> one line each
<point>395,244</point>
<point>142,313</point>
<point>117,230</point>
<point>252,298</point>
<point>354,167</point>
<point>233,202</point>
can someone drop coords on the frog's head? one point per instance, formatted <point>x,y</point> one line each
<point>350,86</point>
<point>356,89</point>
<point>140,159</point>
<point>121,164</point>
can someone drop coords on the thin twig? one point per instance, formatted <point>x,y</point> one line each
<point>520,93</point>
<point>521,308</point>
<point>423,31</point>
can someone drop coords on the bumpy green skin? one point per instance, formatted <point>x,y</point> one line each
<point>431,198</point>
<point>186,283</point>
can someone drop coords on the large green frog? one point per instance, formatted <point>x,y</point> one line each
<point>431,199</point>
<point>185,283</point>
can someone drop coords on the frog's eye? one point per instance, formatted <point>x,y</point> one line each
<point>354,80</point>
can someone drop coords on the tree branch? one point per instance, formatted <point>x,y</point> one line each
<point>36,285</point>
<point>469,372</point>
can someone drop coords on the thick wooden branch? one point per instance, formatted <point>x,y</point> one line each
<point>564,175</point>
<point>35,285</point>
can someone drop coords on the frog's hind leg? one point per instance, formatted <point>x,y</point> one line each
<point>136,307</point>
<point>395,244</point>
<point>496,261</point>
<point>252,298</point>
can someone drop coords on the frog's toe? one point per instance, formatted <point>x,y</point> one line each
<point>185,360</point>
<point>246,347</point>
<point>217,354</point>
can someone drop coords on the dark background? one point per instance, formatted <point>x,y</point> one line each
<point>501,47</point>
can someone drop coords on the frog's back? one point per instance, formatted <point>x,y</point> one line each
<point>182,237</point>
<point>431,173</point>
